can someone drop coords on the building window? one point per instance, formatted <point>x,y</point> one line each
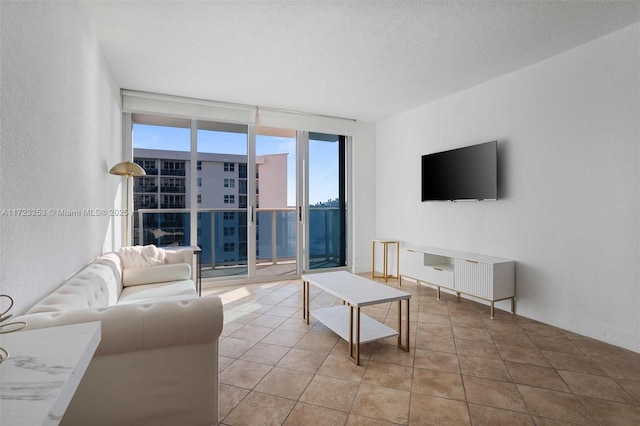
<point>199,198</point>
<point>229,231</point>
<point>229,167</point>
<point>172,185</point>
<point>199,181</point>
<point>173,165</point>
<point>149,166</point>
<point>229,183</point>
<point>173,202</point>
<point>242,170</point>
<point>199,165</point>
<point>229,216</point>
<point>229,199</point>
<point>173,168</point>
<point>145,184</point>
<point>229,247</point>
<point>143,201</point>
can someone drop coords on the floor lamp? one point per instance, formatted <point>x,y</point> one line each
<point>128,169</point>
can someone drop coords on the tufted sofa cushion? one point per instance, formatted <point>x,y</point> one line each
<point>96,286</point>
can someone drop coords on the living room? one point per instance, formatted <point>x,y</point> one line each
<point>568,208</point>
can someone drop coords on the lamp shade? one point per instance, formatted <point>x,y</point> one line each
<point>127,168</point>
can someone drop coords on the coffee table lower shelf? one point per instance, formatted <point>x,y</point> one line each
<point>337,319</point>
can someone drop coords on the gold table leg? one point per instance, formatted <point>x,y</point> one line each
<point>385,255</point>
<point>305,301</point>
<point>354,357</point>
<point>406,345</point>
<point>373,260</point>
<point>385,260</point>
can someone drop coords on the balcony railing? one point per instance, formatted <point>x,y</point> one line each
<point>173,189</point>
<point>172,172</point>
<point>144,188</point>
<point>275,239</point>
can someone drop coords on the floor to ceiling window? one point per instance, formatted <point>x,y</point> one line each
<point>261,201</point>
<point>223,198</point>
<point>276,213</point>
<point>160,199</point>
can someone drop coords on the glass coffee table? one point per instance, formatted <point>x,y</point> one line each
<point>346,320</point>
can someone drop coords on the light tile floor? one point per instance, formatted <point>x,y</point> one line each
<point>463,367</point>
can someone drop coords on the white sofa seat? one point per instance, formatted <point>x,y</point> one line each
<point>145,293</point>
<point>157,361</point>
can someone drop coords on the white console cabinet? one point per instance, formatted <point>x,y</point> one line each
<point>486,277</point>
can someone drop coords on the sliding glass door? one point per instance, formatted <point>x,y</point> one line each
<point>223,198</point>
<point>327,213</point>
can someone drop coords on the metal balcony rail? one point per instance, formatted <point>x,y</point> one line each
<point>275,237</point>
<point>172,172</point>
<point>173,189</point>
<point>143,188</point>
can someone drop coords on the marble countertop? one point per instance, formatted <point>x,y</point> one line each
<point>43,371</point>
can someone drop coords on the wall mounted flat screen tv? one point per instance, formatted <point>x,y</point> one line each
<point>468,173</point>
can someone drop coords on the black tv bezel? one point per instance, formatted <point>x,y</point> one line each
<point>462,198</point>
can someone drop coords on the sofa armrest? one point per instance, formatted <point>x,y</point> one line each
<point>139,327</point>
<point>184,255</point>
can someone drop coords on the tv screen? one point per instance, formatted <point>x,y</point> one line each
<point>468,173</point>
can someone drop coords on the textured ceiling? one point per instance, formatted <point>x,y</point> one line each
<point>355,59</point>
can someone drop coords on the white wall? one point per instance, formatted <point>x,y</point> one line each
<point>60,134</point>
<point>363,202</point>
<point>569,209</point>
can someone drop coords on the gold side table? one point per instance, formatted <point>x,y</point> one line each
<point>385,260</point>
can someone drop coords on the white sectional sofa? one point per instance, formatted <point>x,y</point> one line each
<point>157,362</point>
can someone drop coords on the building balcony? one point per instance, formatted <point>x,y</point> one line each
<point>146,205</point>
<point>173,189</point>
<point>172,172</point>
<point>145,189</point>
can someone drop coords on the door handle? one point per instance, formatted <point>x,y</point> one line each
<point>300,213</point>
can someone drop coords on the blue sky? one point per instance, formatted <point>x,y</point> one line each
<point>323,168</point>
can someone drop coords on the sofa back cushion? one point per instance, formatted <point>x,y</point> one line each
<point>139,256</point>
<point>97,285</point>
<point>156,274</point>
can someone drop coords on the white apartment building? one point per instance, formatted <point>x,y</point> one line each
<point>221,199</point>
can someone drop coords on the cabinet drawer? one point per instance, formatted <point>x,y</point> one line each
<point>438,275</point>
<point>474,277</point>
